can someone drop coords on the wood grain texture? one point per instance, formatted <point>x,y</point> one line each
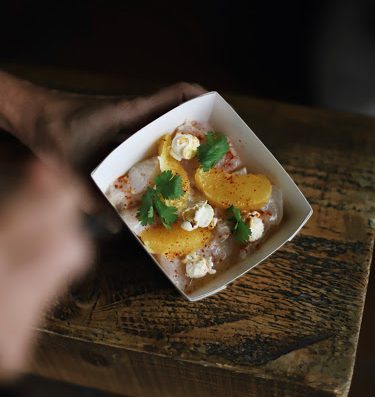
<point>289,327</point>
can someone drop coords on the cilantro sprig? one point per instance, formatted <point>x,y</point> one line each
<point>167,186</point>
<point>146,213</point>
<point>241,231</point>
<point>167,214</point>
<point>212,150</point>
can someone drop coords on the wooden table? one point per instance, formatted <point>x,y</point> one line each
<point>289,327</point>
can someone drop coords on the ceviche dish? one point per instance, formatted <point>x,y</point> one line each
<point>196,205</point>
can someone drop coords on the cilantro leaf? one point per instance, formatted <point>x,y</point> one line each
<point>145,213</point>
<point>169,185</point>
<point>236,213</point>
<point>167,214</point>
<point>241,231</point>
<point>212,150</point>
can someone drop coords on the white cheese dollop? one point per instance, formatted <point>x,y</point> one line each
<point>200,215</point>
<point>198,266</point>
<point>184,146</point>
<point>186,225</point>
<point>256,226</point>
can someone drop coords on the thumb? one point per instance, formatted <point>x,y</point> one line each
<point>170,97</point>
<point>140,111</point>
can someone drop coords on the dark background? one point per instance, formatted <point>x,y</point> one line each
<point>317,53</point>
<point>308,52</point>
<point>229,45</point>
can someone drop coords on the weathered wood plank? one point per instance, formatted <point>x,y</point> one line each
<point>141,374</point>
<point>281,125</point>
<point>296,317</point>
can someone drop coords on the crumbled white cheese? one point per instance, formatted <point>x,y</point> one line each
<point>256,226</point>
<point>204,214</point>
<point>186,225</point>
<point>184,146</point>
<point>200,215</point>
<point>198,266</point>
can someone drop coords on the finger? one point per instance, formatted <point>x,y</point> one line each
<point>61,181</point>
<point>172,96</point>
<point>71,190</point>
<point>140,111</point>
<point>31,289</point>
<point>102,217</point>
<point>100,121</point>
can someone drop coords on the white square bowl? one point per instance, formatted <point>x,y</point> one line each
<point>211,107</point>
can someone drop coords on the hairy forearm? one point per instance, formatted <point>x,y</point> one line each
<point>20,104</point>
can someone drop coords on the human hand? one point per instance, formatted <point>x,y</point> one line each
<point>42,245</point>
<point>42,249</point>
<point>70,129</point>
